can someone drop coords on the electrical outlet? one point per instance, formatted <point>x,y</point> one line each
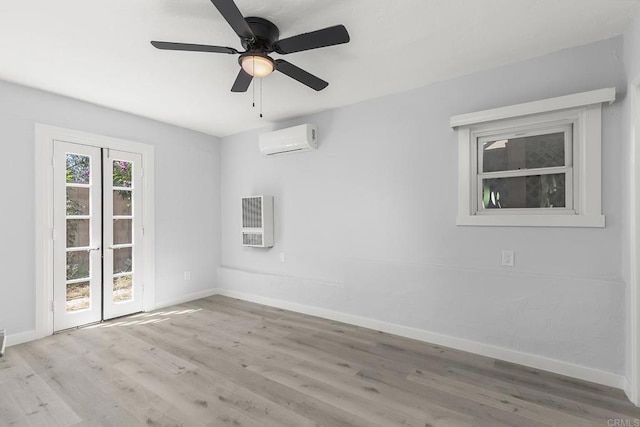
<point>187,275</point>
<point>282,258</point>
<point>507,258</point>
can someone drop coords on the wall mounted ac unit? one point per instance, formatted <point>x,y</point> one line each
<point>257,221</point>
<point>290,140</point>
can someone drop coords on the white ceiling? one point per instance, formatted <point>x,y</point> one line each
<point>99,51</point>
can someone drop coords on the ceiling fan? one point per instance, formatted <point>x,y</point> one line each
<point>260,37</point>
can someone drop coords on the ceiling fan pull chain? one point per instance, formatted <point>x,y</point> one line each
<point>253,85</point>
<point>261,98</point>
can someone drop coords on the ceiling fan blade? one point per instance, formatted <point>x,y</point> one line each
<point>300,75</point>
<point>193,47</point>
<point>242,82</point>
<point>321,38</point>
<point>232,15</point>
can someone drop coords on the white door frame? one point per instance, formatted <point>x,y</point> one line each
<point>44,137</point>
<point>632,386</point>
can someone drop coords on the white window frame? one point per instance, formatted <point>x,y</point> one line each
<point>581,112</point>
<point>567,169</point>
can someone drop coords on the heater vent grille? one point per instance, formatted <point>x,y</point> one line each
<point>252,239</point>
<point>252,212</point>
<point>257,221</point>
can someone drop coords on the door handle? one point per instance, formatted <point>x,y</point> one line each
<point>93,249</point>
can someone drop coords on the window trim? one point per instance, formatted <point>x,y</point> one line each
<point>584,112</point>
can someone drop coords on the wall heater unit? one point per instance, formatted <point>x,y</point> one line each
<point>257,221</point>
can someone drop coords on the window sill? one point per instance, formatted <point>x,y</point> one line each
<point>596,221</point>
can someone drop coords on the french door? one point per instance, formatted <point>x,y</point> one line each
<point>97,234</point>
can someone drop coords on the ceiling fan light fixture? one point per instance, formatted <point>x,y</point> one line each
<point>257,65</point>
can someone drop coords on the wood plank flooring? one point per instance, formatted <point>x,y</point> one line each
<point>224,362</point>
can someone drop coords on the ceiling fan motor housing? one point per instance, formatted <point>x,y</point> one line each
<point>266,34</point>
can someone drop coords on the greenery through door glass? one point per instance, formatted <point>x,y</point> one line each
<point>122,173</point>
<point>78,168</point>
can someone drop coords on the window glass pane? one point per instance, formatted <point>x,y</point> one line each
<point>122,231</point>
<point>529,152</point>
<point>77,265</point>
<point>122,173</point>
<point>123,288</point>
<point>122,202</point>
<point>78,168</point>
<point>78,296</point>
<point>77,201</point>
<point>77,233</point>
<point>537,191</point>
<point>122,260</point>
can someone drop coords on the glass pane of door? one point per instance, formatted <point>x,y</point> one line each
<point>78,232</point>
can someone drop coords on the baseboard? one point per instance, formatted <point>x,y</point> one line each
<point>628,390</point>
<point>185,298</point>
<point>22,337</point>
<point>513,356</point>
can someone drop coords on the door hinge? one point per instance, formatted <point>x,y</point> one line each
<point>53,306</point>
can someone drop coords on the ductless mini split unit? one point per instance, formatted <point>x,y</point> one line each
<point>290,140</point>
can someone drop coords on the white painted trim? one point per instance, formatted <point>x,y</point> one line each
<point>633,391</point>
<point>186,298</point>
<point>495,352</point>
<point>586,190</point>
<point>22,337</point>
<point>43,232</point>
<point>552,104</point>
<point>628,390</point>
<point>44,137</point>
<point>532,220</point>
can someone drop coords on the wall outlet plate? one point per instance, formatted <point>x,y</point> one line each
<point>507,258</point>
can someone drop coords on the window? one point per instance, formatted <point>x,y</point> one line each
<point>534,164</point>
<point>526,169</point>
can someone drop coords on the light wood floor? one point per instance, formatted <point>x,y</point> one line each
<point>224,362</point>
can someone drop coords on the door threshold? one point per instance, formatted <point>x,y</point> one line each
<point>93,324</point>
<point>78,327</point>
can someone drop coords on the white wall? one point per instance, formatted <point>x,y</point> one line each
<point>187,213</point>
<point>367,223</point>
